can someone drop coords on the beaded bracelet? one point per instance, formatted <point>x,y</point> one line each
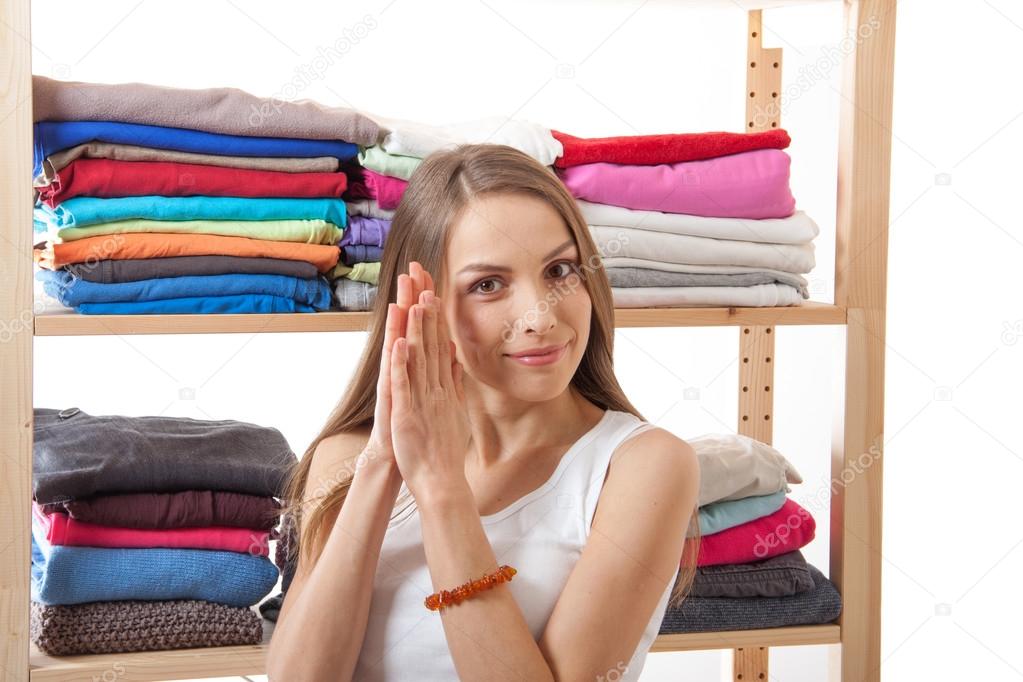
<point>438,600</point>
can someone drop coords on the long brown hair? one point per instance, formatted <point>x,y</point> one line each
<point>438,191</point>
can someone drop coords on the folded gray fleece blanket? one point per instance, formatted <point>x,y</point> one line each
<point>77,455</point>
<point>215,110</point>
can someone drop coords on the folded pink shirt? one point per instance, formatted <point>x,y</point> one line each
<point>752,184</point>
<point>387,190</point>
<point>787,529</point>
<point>61,529</point>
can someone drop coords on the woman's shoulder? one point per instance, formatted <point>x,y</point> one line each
<point>653,444</point>
<point>334,454</point>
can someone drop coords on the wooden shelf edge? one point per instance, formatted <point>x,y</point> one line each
<point>800,635</point>
<point>149,666</point>
<point>73,324</point>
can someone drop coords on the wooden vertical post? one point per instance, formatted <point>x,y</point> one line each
<point>16,320</point>
<point>756,342</point>
<point>861,265</point>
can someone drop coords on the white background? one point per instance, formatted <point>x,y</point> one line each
<point>955,325</point>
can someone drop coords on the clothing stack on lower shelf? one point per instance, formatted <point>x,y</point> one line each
<point>750,570</point>
<point>164,200</point>
<point>695,219</point>
<point>152,532</point>
<point>377,183</point>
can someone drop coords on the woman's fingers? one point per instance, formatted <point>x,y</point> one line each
<point>430,349</point>
<point>401,395</point>
<point>445,353</point>
<point>416,355</point>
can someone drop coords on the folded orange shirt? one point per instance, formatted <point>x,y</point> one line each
<point>162,244</point>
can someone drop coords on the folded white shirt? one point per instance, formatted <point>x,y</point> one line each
<point>411,138</point>
<point>757,295</point>
<point>679,248</point>
<point>733,466</point>
<point>798,228</point>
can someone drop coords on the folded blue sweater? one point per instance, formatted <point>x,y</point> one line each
<point>84,211</point>
<point>53,136</point>
<point>73,291</point>
<point>74,575</point>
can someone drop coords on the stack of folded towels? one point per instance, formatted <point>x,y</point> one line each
<point>750,571</point>
<point>152,533</point>
<point>694,219</point>
<point>378,181</point>
<point>153,199</point>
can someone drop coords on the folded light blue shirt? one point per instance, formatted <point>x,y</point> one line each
<point>718,516</point>
<point>53,136</point>
<point>84,211</point>
<point>64,574</point>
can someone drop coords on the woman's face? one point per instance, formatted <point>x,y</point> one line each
<point>512,284</point>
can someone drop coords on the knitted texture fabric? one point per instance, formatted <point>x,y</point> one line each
<point>124,626</point>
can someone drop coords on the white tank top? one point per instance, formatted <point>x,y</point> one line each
<point>542,535</point>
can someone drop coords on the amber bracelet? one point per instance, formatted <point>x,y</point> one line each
<point>438,600</point>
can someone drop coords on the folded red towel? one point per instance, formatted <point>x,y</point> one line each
<point>791,527</point>
<point>645,150</point>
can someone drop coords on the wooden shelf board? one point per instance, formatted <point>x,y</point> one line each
<point>233,661</point>
<point>800,635</point>
<point>73,324</point>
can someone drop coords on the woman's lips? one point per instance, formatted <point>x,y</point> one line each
<point>537,360</point>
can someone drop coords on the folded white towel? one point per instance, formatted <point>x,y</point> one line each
<point>798,228</point>
<point>678,248</point>
<point>411,138</point>
<point>758,295</point>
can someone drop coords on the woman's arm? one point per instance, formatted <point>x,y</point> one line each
<point>322,622</point>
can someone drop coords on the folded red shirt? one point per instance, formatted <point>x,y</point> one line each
<point>111,178</point>
<point>787,529</point>
<point>646,150</point>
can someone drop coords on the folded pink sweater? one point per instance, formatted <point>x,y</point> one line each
<point>752,184</point>
<point>61,529</point>
<point>787,529</point>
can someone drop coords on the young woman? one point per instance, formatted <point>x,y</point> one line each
<point>487,398</point>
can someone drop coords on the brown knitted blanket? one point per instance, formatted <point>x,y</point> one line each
<point>125,626</point>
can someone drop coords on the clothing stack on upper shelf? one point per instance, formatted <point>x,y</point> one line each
<point>152,532</point>
<point>153,199</point>
<point>750,571</point>
<point>689,220</point>
<point>377,184</point>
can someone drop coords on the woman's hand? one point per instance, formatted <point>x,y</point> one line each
<point>380,448</point>
<point>429,419</point>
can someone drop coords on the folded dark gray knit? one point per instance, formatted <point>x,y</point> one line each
<point>124,626</point>
<point>77,455</point>
<point>822,604</point>
<point>778,576</point>
<point>134,269</point>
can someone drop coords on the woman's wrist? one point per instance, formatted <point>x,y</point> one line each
<point>373,467</point>
<point>443,493</point>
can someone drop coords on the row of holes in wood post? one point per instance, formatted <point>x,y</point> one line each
<point>767,387</point>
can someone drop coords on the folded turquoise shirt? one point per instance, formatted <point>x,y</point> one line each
<point>719,516</point>
<point>74,575</point>
<point>83,211</point>
<point>73,292</point>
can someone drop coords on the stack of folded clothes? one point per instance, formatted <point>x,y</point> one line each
<point>750,571</point>
<point>153,532</point>
<point>690,220</point>
<point>377,183</point>
<point>153,199</point>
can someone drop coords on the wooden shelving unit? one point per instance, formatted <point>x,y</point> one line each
<point>860,290</point>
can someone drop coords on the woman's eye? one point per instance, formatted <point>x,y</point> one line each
<point>480,284</point>
<point>569,268</point>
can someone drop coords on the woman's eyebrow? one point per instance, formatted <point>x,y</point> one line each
<point>504,268</point>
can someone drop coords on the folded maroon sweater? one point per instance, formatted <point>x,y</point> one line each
<point>646,150</point>
<point>110,178</point>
